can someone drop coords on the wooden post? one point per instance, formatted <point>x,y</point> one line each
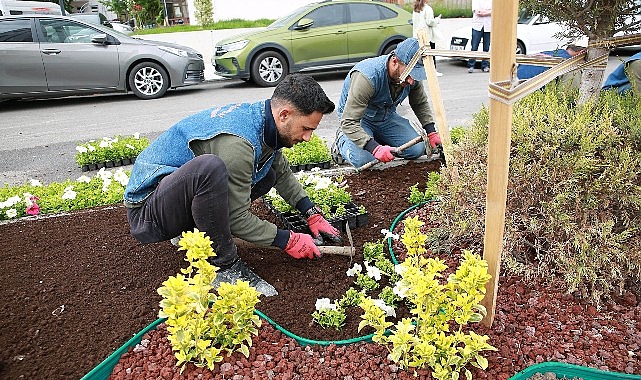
<point>502,58</point>
<point>435,95</point>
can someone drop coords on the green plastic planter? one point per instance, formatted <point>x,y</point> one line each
<point>570,371</point>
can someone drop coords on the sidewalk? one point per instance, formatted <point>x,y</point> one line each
<point>204,41</point>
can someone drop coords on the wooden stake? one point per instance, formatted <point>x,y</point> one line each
<point>503,59</point>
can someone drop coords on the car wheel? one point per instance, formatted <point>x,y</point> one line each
<point>268,69</point>
<point>389,48</point>
<point>520,47</point>
<point>148,80</point>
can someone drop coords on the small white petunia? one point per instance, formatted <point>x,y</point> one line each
<point>130,146</point>
<point>91,148</point>
<point>35,182</point>
<point>389,234</point>
<point>315,169</point>
<point>104,174</point>
<point>400,290</point>
<point>12,201</point>
<point>81,149</point>
<point>83,178</point>
<point>400,269</point>
<point>104,144</point>
<point>105,184</point>
<point>12,213</point>
<point>389,311</point>
<point>373,272</point>
<point>69,193</point>
<point>324,304</point>
<point>323,183</point>
<point>137,135</point>
<point>357,268</point>
<point>27,199</point>
<point>121,177</point>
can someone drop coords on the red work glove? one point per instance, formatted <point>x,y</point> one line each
<point>435,139</point>
<point>301,246</point>
<point>383,153</point>
<point>320,226</point>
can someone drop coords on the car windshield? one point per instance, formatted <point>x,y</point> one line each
<point>525,16</point>
<point>289,18</point>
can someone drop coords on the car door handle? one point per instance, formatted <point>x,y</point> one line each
<point>340,32</point>
<point>51,51</point>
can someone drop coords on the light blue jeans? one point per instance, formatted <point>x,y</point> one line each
<point>394,131</point>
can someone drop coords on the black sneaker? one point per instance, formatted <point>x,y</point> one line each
<point>336,154</point>
<point>240,271</point>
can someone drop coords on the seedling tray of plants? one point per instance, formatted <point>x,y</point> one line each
<point>354,216</point>
<point>302,167</point>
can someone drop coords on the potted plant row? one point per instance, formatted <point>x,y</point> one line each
<point>307,155</point>
<point>110,152</point>
<point>329,194</point>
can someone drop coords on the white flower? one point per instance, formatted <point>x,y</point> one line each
<point>83,178</point>
<point>400,290</point>
<point>27,199</point>
<point>121,177</point>
<point>357,268</point>
<point>389,311</point>
<point>69,193</point>
<point>81,149</point>
<point>315,169</point>
<point>400,269</point>
<point>11,201</point>
<point>105,184</point>
<point>137,135</point>
<point>104,174</point>
<point>323,183</point>
<point>373,272</point>
<point>130,146</point>
<point>104,144</point>
<point>12,213</point>
<point>389,234</point>
<point>324,304</point>
<point>91,148</point>
<point>35,182</point>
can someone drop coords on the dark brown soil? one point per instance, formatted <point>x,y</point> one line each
<point>76,287</point>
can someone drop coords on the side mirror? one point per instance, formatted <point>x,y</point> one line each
<point>99,39</point>
<point>304,23</point>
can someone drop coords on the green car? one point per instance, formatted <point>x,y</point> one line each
<point>332,35</point>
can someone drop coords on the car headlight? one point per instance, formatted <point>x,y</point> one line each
<point>234,45</point>
<point>174,51</point>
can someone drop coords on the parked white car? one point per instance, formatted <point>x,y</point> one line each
<point>534,33</point>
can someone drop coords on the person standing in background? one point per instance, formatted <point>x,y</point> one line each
<point>481,27</point>
<point>423,19</point>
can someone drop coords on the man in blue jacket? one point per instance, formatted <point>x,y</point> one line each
<point>205,171</point>
<point>370,127</point>
<point>627,76</point>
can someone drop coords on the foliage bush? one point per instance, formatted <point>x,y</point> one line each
<point>574,195</point>
<point>308,152</point>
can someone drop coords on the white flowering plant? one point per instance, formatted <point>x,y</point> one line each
<point>34,198</point>
<point>110,149</point>
<point>329,314</point>
<point>330,194</point>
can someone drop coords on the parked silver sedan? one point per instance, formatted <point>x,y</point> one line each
<point>44,55</point>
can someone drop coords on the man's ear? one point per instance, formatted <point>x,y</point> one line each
<point>283,114</point>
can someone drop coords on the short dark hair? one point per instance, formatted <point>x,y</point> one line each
<point>304,93</point>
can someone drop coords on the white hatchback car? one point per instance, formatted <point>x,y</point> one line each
<point>534,33</point>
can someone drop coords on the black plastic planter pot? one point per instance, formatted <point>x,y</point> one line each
<point>310,166</point>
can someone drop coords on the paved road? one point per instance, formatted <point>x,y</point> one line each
<point>39,136</point>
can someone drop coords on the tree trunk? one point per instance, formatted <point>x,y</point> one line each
<point>591,78</point>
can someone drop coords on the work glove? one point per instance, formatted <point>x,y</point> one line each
<point>320,226</point>
<point>383,153</point>
<point>435,139</point>
<point>301,246</point>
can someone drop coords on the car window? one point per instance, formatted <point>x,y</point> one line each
<point>369,12</point>
<point>328,15</point>
<point>64,31</point>
<point>15,31</point>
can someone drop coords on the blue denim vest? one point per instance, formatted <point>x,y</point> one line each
<point>171,149</point>
<point>381,106</point>
<point>618,78</point>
